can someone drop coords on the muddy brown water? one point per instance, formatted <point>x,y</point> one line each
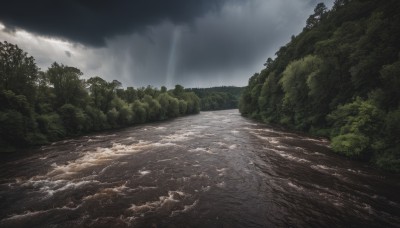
<point>215,169</point>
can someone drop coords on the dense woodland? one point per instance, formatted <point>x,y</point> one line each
<point>340,78</point>
<point>39,107</point>
<point>218,98</point>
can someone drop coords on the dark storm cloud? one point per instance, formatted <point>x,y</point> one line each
<point>91,22</point>
<point>189,42</point>
<point>223,48</point>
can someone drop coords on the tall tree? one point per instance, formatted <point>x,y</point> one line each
<point>18,72</point>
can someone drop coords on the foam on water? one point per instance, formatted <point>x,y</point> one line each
<point>221,184</point>
<point>164,160</point>
<point>186,208</point>
<point>271,140</point>
<point>158,144</point>
<point>198,149</point>
<point>262,129</point>
<point>107,192</point>
<point>144,172</point>
<point>25,215</point>
<point>30,214</point>
<point>288,156</point>
<point>169,201</point>
<point>299,188</point>
<point>201,149</point>
<point>222,172</point>
<point>105,136</point>
<point>178,137</point>
<point>50,187</point>
<point>93,140</point>
<point>322,167</point>
<point>318,154</point>
<point>232,146</point>
<point>93,158</point>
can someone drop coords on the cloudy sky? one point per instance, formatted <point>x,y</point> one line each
<point>195,43</point>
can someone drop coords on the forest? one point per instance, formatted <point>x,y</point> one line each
<point>218,98</point>
<point>339,78</point>
<point>38,107</point>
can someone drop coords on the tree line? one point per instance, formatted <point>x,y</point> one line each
<point>218,98</point>
<point>338,78</point>
<point>38,107</point>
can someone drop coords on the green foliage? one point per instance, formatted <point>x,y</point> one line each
<point>192,101</point>
<point>339,78</point>
<point>10,100</point>
<point>169,106</point>
<point>358,116</point>
<point>352,145</point>
<point>218,98</point>
<point>51,125</point>
<point>390,75</point>
<point>390,160</point>
<point>178,91</point>
<point>153,108</point>
<point>112,117</point>
<point>139,112</point>
<point>73,119</point>
<point>18,72</point>
<point>68,88</point>
<point>182,107</point>
<point>173,108</point>
<point>12,127</point>
<point>299,85</point>
<point>38,107</point>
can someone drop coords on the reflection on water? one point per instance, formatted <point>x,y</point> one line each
<point>215,169</point>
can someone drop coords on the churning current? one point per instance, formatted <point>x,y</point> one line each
<point>215,169</point>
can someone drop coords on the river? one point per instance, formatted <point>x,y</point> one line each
<point>215,169</point>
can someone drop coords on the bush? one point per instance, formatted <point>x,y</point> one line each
<point>112,117</point>
<point>351,145</point>
<point>390,160</point>
<point>154,108</point>
<point>12,127</point>
<point>139,112</point>
<point>125,116</point>
<point>182,107</point>
<point>51,126</point>
<point>73,118</point>
<point>97,119</point>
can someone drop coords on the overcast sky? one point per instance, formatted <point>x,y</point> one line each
<point>195,43</point>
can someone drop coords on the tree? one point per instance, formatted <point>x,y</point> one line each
<point>74,119</point>
<point>338,78</point>
<point>68,87</point>
<point>18,72</point>
<point>38,107</point>
<point>100,93</point>
<point>319,13</point>
<point>154,108</point>
<point>139,112</point>
<point>178,91</point>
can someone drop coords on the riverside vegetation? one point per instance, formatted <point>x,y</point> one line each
<point>38,107</point>
<point>218,98</point>
<point>338,78</point>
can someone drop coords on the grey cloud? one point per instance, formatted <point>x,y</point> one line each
<point>223,48</point>
<point>218,47</point>
<point>91,22</point>
<point>68,54</point>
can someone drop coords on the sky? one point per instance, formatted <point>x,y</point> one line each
<point>194,43</point>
